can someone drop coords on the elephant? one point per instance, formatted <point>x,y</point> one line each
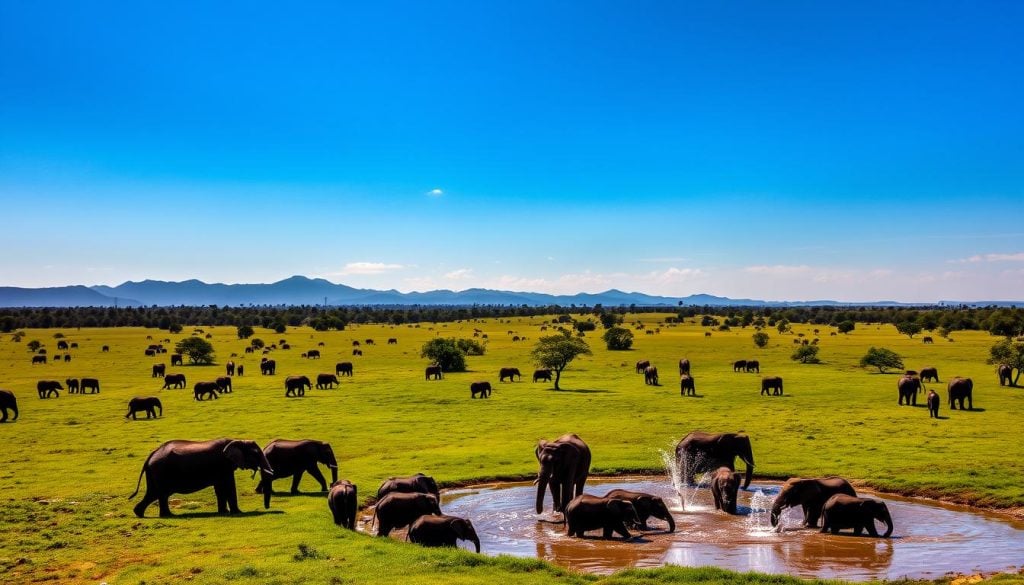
<point>909,387</point>
<point>684,366</point>
<point>62,345</point>
<point>158,370</point>
<point>651,375</point>
<point>368,341</point>
<point>811,494</point>
<point>442,531</point>
<point>929,374</point>
<point>48,387</point>
<point>326,381</point>
<point>399,509</point>
<point>642,365</point>
<point>296,385</point>
<point>38,359</point>
<point>8,402</point>
<point>509,373</point>
<point>229,369</point>
<point>268,368</point>
<point>224,384</point>
<point>739,366</point>
<point>355,343</point>
<point>313,354</point>
<point>725,483</point>
<point>74,345</point>
<point>72,385</point>
<point>343,369</point>
<point>646,505</point>
<point>176,359</point>
<point>91,384</point>
<point>960,389</point>
<point>174,381</point>
<point>184,467</point>
<point>686,386</point>
<point>149,352</point>
<point>543,374</point>
<point>773,383</point>
<point>927,339</point>
<point>293,458</point>
<point>240,370</point>
<point>203,388</point>
<point>147,403</point>
<point>413,484</point>
<point>433,372</point>
<point>343,501</point>
<point>565,465</point>
<point>753,366</point>
<point>481,388</point>
<point>843,511</point>
<point>105,348</point>
<point>357,352</point>
<point>933,404</point>
<point>1005,375</point>
<point>392,341</point>
<point>700,452</point>
<point>586,512</point>
<point>67,358</point>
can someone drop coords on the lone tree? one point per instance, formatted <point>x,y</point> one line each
<point>806,354</point>
<point>555,352</point>
<point>846,327</point>
<point>245,332</point>
<point>1009,353</point>
<point>908,328</point>
<point>761,339</point>
<point>198,350</point>
<point>881,358</point>
<point>446,353</point>
<point>618,338</point>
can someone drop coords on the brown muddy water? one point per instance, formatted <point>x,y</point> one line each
<point>929,540</point>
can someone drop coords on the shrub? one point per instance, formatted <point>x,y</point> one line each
<point>582,326</point>
<point>618,338</point>
<point>245,332</point>
<point>761,339</point>
<point>470,347</point>
<point>806,354</point>
<point>846,326</point>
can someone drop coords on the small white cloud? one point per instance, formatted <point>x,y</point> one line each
<point>778,269</point>
<point>1018,257</point>
<point>435,192</point>
<point>369,268</point>
<point>460,274</point>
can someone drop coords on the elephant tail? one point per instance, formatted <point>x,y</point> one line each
<point>144,467</point>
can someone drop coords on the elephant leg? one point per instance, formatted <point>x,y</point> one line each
<point>970,403</point>
<point>140,508</point>
<point>220,489</point>
<point>621,529</point>
<point>296,479</point>
<point>231,494</point>
<point>607,532</point>
<point>870,526</point>
<point>857,530</point>
<point>315,472</point>
<point>165,506</point>
<point>811,515</point>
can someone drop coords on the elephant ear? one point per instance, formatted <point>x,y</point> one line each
<point>461,528</point>
<point>234,452</point>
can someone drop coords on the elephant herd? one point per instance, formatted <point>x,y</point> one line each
<point>770,385</point>
<point>958,390</point>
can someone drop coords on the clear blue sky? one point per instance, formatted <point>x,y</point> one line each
<point>790,150</point>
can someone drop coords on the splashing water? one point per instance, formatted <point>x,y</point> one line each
<point>759,521</point>
<point>687,493</point>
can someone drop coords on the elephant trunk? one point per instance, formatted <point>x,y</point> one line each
<point>332,464</point>
<point>542,484</point>
<point>671,521</point>
<point>265,488</point>
<point>776,512</point>
<point>886,518</point>
<point>476,542</point>
<point>750,472</point>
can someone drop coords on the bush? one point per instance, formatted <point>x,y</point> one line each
<point>34,345</point>
<point>881,358</point>
<point>280,328</point>
<point>445,353</point>
<point>609,320</point>
<point>846,326</point>
<point>806,354</point>
<point>761,339</point>
<point>618,338</point>
<point>257,343</point>
<point>245,332</point>
<point>174,328</point>
<point>582,326</point>
<point>470,347</point>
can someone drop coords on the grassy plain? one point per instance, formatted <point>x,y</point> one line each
<point>69,463</point>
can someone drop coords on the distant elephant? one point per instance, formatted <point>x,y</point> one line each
<point>240,370</point>
<point>268,368</point>
<point>48,387</point>
<point>184,467</point>
<point>700,452</point>
<point>442,531</point>
<point>176,359</point>
<point>63,345</point>
<point>343,369</point>
<point>739,366</point>
<point>413,484</point>
<point>481,388</point>
<point>229,369</point>
<point>1005,375</point>
<point>398,510</point>
<point>642,365</point>
<point>509,373</point>
<point>224,384</point>
<point>355,343</point>
<point>326,381</point>
<point>433,372</point>
<point>8,402</point>
<point>204,388</point>
<point>150,353</point>
<point>684,366</point>
<point>357,352</point>
<point>296,385</point>
<point>368,342</point>
<point>842,511</point>
<point>90,384</point>
<point>292,459</point>
<point>909,387</point>
<point>725,483</point>
<point>150,404</point>
<point>933,404</point>
<point>343,501</point>
<point>811,494</point>
<point>174,381</point>
<point>38,359</point>
<point>929,374</point>
<point>753,366</point>
<point>105,348</point>
<point>773,383</point>
<point>158,370</point>
<point>67,358</point>
<point>586,512</point>
<point>927,339</point>
<point>686,386</point>
<point>646,506</point>
<point>392,341</point>
<point>72,385</point>
<point>542,374</point>
<point>651,375</point>
<point>565,465</point>
<point>960,389</point>
<point>313,354</point>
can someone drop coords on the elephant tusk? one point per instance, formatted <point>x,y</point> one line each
<point>332,466</point>
<point>267,471</point>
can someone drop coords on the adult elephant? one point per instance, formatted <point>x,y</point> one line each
<point>184,467</point>
<point>293,458</point>
<point>224,384</point>
<point>739,366</point>
<point>909,387</point>
<point>646,506</point>
<point>810,494</point>
<point>842,511</point>
<point>326,381</point>
<point>684,366</point>
<point>268,368</point>
<point>229,369</point>
<point>72,385</point>
<point>413,484</point>
<point>929,374</point>
<point>174,381</point>
<point>149,404</point>
<point>343,369</point>
<point>510,373</point>
<point>960,389</point>
<point>725,484</point>
<point>927,339</point>
<point>686,386</point>
<point>481,388</point>
<point>176,359</point>
<point>38,359</point>
<point>642,365</point>
<point>8,402</point>
<point>651,375</point>
<point>48,387</point>
<point>90,384</point>
<point>773,384</point>
<point>700,452</point>
<point>158,370</point>
<point>565,465</point>
<point>296,385</point>
<point>433,372</point>
<point>202,389</point>
<point>343,502</point>
<point>542,374</point>
<point>586,512</point>
<point>442,531</point>
<point>753,366</point>
<point>1005,372</point>
<point>398,510</point>
<point>313,354</point>
<point>63,345</point>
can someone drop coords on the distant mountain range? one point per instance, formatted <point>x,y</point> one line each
<point>299,290</point>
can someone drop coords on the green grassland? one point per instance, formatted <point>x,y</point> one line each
<point>68,464</point>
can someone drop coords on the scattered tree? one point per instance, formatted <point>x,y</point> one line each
<point>881,358</point>
<point>174,328</point>
<point>582,326</point>
<point>618,338</point>
<point>806,354</point>
<point>280,328</point>
<point>1009,353</point>
<point>34,345</point>
<point>198,350</point>
<point>1004,327</point>
<point>846,326</point>
<point>908,328</point>
<point>782,325</point>
<point>470,347</point>
<point>558,351</point>
<point>245,332</point>
<point>761,339</point>
<point>257,343</point>
<point>609,320</point>
<point>445,352</point>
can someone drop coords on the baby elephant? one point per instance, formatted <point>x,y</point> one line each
<point>586,512</point>
<point>144,403</point>
<point>725,484</point>
<point>443,531</point>
<point>343,503</point>
<point>933,404</point>
<point>646,505</point>
<point>398,510</point>
<point>842,511</point>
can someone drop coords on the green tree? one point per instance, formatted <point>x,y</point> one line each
<point>1009,353</point>
<point>470,346</point>
<point>280,327</point>
<point>245,332</point>
<point>761,339</point>
<point>609,320</point>
<point>585,325</point>
<point>34,345</point>
<point>908,328</point>
<point>174,328</point>
<point>445,353</point>
<point>1004,326</point>
<point>881,358</point>
<point>257,343</point>
<point>618,338</point>
<point>782,325</point>
<point>558,351</point>
<point>806,354</point>
<point>846,326</point>
<point>198,350</point>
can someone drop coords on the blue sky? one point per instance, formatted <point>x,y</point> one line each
<point>793,150</point>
